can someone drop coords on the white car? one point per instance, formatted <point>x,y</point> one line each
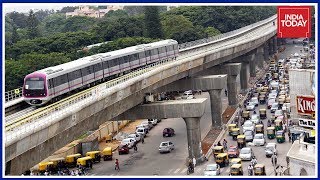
<point>212,170</point>
<point>248,136</point>
<point>146,127</point>
<point>248,126</point>
<point>259,140</point>
<point>166,146</point>
<point>188,95</point>
<point>255,118</point>
<point>137,137</point>
<point>274,107</point>
<point>251,106</point>
<point>146,123</point>
<point>141,131</point>
<point>270,102</point>
<point>246,153</point>
<point>153,121</point>
<point>270,149</point>
<point>255,101</point>
<point>278,113</point>
<point>286,107</point>
<point>128,141</point>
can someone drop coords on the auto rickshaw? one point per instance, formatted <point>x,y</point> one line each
<point>85,161</point>
<point>263,113</point>
<point>241,140</point>
<point>287,100</point>
<point>246,115</point>
<point>262,99</point>
<point>71,160</point>
<point>107,153</point>
<point>278,124</point>
<point>58,163</point>
<point>234,133</point>
<point>281,102</point>
<point>235,161</point>
<point>259,170</point>
<point>272,118</point>
<point>280,136</point>
<point>230,127</point>
<point>271,132</point>
<point>45,166</point>
<point>236,170</point>
<point>275,76</point>
<point>260,128</point>
<point>95,155</point>
<point>217,150</point>
<point>265,89</point>
<point>222,159</point>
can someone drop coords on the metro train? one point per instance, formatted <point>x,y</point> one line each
<point>51,83</point>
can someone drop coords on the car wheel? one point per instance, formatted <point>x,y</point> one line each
<point>119,153</point>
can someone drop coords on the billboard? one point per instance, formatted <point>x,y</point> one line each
<point>306,105</point>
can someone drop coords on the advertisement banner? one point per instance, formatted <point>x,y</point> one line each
<point>306,105</point>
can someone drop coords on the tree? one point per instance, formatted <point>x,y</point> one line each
<point>67,9</point>
<point>53,24</point>
<point>15,35</point>
<point>18,19</point>
<point>211,31</point>
<point>42,14</point>
<point>32,27</point>
<point>152,22</point>
<point>78,23</point>
<point>116,14</point>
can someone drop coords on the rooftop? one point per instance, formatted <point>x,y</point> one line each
<point>302,151</point>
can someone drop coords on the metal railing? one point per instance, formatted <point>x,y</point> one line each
<point>220,36</point>
<point>13,94</point>
<point>79,99</point>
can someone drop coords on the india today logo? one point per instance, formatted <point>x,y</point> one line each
<point>294,21</point>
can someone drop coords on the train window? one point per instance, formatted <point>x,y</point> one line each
<point>84,72</point>
<point>148,53</point>
<point>131,58</point>
<point>175,47</point>
<point>97,67</point>
<point>154,52</point>
<point>50,84</point>
<point>105,65</point>
<point>121,60</point>
<point>135,56</point>
<point>163,50</point>
<point>126,59</point>
<point>170,48</point>
<point>141,55</point>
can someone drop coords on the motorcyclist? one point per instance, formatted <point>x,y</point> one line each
<point>250,170</point>
<point>254,112</point>
<point>269,123</point>
<point>190,167</point>
<point>254,161</point>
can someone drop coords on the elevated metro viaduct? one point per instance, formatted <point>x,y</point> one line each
<point>28,150</point>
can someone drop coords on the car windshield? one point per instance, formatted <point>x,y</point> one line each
<point>247,124</point>
<point>251,104</point>
<point>211,168</point>
<point>258,136</point>
<point>254,116</point>
<point>275,105</point>
<point>232,150</point>
<point>34,84</point>
<point>248,133</point>
<point>245,151</point>
<point>140,130</point>
<point>164,144</point>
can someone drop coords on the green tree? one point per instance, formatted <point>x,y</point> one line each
<point>33,22</point>
<point>116,14</point>
<point>78,23</point>
<point>18,19</point>
<point>152,22</point>
<point>53,24</point>
<point>42,14</point>
<point>67,9</point>
<point>15,35</point>
<point>211,31</point>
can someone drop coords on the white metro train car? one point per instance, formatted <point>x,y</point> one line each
<point>49,84</point>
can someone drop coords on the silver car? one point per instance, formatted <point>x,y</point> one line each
<point>166,146</point>
<point>246,153</point>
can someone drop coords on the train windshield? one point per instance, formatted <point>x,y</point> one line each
<point>34,83</point>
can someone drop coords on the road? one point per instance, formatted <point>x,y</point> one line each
<point>148,161</point>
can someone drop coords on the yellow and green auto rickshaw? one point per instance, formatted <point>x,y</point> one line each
<point>272,118</point>
<point>235,161</point>
<point>280,136</point>
<point>107,153</point>
<point>263,113</point>
<point>71,160</point>
<point>95,155</point>
<point>259,170</point>
<point>281,102</point>
<point>265,89</point>
<point>222,159</point>
<point>230,127</point>
<point>271,132</point>
<point>262,99</point>
<point>58,163</point>
<point>85,161</point>
<point>259,128</point>
<point>246,115</point>
<point>241,141</point>
<point>234,133</point>
<point>236,170</point>
<point>278,124</point>
<point>45,166</point>
<point>217,150</point>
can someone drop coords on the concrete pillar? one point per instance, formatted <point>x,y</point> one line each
<point>270,45</point>
<point>244,76</point>
<point>259,57</point>
<point>252,64</point>
<point>216,106</point>
<point>194,138</point>
<point>266,52</point>
<point>232,69</point>
<point>275,45</point>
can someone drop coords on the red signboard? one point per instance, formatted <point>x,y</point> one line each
<point>294,22</point>
<point>306,105</point>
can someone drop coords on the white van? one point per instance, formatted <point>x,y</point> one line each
<point>141,131</point>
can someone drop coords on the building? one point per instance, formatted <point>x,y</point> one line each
<point>86,11</point>
<point>301,158</point>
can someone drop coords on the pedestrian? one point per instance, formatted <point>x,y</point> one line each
<point>135,148</point>
<point>194,161</point>
<point>225,145</point>
<point>116,165</point>
<point>226,92</point>
<point>142,139</point>
<point>250,169</point>
<point>90,164</point>
<point>219,144</point>
<point>274,159</point>
<point>289,135</point>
